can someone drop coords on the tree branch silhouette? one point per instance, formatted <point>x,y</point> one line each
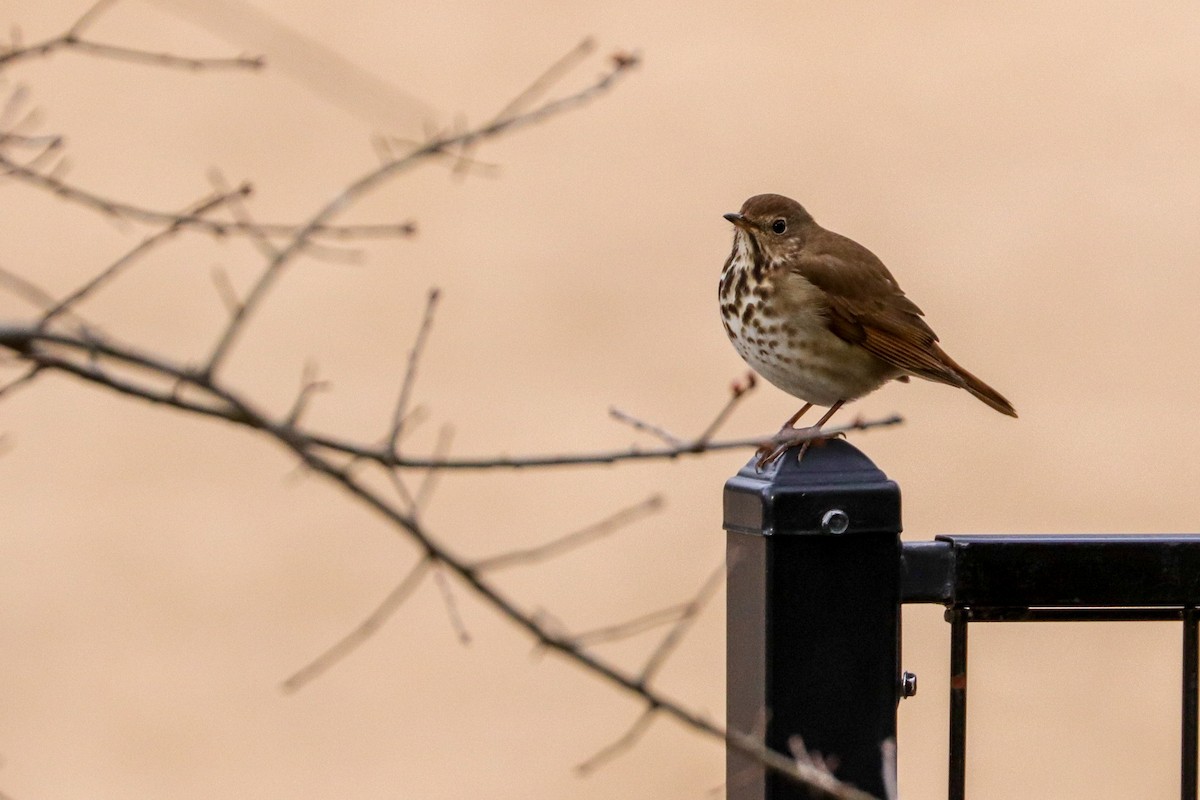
<point>59,341</point>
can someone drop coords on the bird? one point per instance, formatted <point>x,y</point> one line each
<point>820,317</point>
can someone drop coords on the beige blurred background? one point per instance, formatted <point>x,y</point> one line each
<point>1028,170</point>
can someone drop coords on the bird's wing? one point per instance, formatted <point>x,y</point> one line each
<point>866,307</point>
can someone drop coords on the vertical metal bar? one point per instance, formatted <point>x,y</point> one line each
<point>957,618</point>
<point>1191,702</point>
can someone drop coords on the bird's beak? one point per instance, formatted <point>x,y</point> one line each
<point>740,221</point>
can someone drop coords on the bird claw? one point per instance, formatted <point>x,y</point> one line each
<point>767,453</point>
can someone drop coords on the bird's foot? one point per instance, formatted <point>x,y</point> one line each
<point>769,452</point>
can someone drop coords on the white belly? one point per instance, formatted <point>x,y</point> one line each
<point>791,345</point>
<point>815,365</point>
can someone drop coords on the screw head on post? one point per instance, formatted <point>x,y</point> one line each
<point>908,684</point>
<point>835,521</point>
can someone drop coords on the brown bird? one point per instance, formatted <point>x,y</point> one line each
<point>820,316</point>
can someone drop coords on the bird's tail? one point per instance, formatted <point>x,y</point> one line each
<point>980,389</point>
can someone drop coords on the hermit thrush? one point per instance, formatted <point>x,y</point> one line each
<point>820,316</point>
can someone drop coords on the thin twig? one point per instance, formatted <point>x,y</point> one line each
<point>309,385</point>
<point>88,17</point>
<point>410,371</point>
<point>640,624</point>
<point>26,289</point>
<point>430,478</point>
<point>72,39</point>
<point>128,211</point>
<point>225,290</point>
<point>137,56</point>
<point>145,246</point>
<point>691,611</point>
<point>686,620</point>
<point>362,632</point>
<point>616,456</point>
<point>645,427</point>
<point>826,764</point>
<point>737,390</point>
<point>451,605</point>
<point>21,380</point>
<point>243,217</point>
<point>573,540</point>
<point>626,741</point>
<point>402,491</point>
<point>44,142</point>
<point>533,92</point>
<point>386,148</point>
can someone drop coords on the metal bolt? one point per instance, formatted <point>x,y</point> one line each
<point>835,521</point>
<point>908,684</point>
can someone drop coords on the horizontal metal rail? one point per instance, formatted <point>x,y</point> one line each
<point>1057,578</point>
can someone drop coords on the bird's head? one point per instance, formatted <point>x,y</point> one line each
<point>775,225</point>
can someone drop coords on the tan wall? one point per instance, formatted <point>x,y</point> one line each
<point>1029,171</point>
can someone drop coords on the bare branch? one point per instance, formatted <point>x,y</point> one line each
<point>402,491</point>
<point>572,540</point>
<point>242,215</point>
<point>688,618</point>
<point>429,481</point>
<point>827,765</point>
<point>73,39</point>
<point>447,593</point>
<point>737,390</point>
<point>46,142</point>
<point>387,147</point>
<point>136,56</point>
<point>127,211</point>
<point>225,290</point>
<point>536,90</point>
<point>22,380</point>
<point>542,83</point>
<point>225,404</point>
<point>621,745</point>
<point>26,289</point>
<point>410,372</point>
<point>23,340</point>
<point>602,456</point>
<point>99,360</point>
<point>360,187</point>
<point>637,424</point>
<point>362,632</point>
<point>145,246</point>
<point>640,624</point>
<point>309,385</point>
<point>88,17</point>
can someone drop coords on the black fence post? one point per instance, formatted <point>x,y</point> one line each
<point>813,625</point>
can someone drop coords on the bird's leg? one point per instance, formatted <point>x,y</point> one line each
<point>817,428</point>
<point>771,451</point>
<point>791,423</point>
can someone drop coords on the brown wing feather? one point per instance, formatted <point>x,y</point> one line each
<point>868,308</point>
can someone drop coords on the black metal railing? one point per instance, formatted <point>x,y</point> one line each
<point>817,579</point>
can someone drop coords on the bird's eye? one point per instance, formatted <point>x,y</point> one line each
<point>779,225</point>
